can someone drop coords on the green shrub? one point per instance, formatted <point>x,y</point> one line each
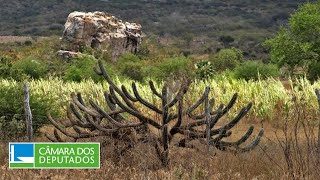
<point>298,43</point>
<point>227,59</point>
<point>130,66</point>
<point>255,70</point>
<point>314,71</point>
<point>143,51</point>
<point>177,67</point>
<point>8,72</point>
<point>13,128</point>
<point>12,112</point>
<point>31,67</point>
<point>82,68</point>
<point>133,71</point>
<point>204,70</point>
<point>128,57</point>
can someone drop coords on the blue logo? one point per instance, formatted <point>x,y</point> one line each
<point>21,153</point>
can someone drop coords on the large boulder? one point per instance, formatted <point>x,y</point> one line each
<point>102,31</point>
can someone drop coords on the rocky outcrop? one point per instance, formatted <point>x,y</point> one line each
<point>68,54</point>
<point>102,31</point>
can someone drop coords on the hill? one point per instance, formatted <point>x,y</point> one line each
<point>195,26</point>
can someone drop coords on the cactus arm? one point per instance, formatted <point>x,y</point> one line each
<point>182,91</point>
<point>216,140</point>
<point>154,90</point>
<point>231,103</point>
<point>199,102</point>
<point>133,112</point>
<point>100,128</point>
<point>113,121</point>
<point>50,138</point>
<point>233,122</point>
<point>57,136</point>
<point>173,130</point>
<point>127,94</point>
<point>78,122</point>
<point>62,130</point>
<point>76,113</point>
<point>84,108</point>
<point>79,96</point>
<point>234,146</point>
<point>144,102</point>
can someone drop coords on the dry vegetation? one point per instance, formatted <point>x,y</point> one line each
<point>287,151</point>
<point>266,162</point>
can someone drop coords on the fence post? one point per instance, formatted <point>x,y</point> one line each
<point>318,148</point>
<point>27,112</point>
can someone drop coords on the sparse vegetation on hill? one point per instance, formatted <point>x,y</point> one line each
<point>195,26</point>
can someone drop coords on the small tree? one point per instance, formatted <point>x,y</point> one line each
<point>299,44</point>
<point>227,59</point>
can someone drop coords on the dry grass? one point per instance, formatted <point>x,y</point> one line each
<point>265,162</point>
<point>287,151</point>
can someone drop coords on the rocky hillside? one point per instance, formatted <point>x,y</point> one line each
<point>193,25</point>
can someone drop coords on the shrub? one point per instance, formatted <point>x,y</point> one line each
<point>227,59</point>
<point>130,65</point>
<point>8,72</point>
<point>177,67</point>
<point>12,112</point>
<point>133,71</point>
<point>31,67</point>
<point>12,129</point>
<point>255,70</point>
<point>128,57</point>
<point>143,51</point>
<point>314,71</point>
<point>82,69</point>
<point>204,70</point>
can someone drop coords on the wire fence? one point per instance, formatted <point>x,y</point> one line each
<point>13,127</point>
<point>17,126</point>
<point>21,115</point>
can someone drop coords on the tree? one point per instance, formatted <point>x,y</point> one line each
<point>226,40</point>
<point>299,43</point>
<point>227,59</point>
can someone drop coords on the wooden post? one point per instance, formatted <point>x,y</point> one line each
<point>27,112</point>
<point>318,148</point>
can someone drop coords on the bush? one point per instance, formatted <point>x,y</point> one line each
<point>173,68</point>
<point>12,129</point>
<point>31,67</point>
<point>12,112</point>
<point>130,65</point>
<point>81,69</point>
<point>128,57</point>
<point>204,70</point>
<point>133,71</point>
<point>226,59</point>
<point>314,71</point>
<point>8,72</point>
<point>255,70</point>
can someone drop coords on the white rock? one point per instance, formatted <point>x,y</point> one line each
<point>103,31</point>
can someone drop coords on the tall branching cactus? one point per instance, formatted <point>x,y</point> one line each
<point>125,118</point>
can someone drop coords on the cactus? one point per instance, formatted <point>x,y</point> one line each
<point>125,118</point>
